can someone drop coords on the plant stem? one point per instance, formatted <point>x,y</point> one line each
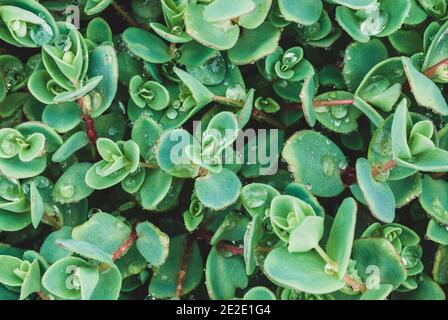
<point>204,235</point>
<point>131,21</point>
<point>324,255</point>
<point>228,102</point>
<point>261,116</point>
<point>358,286</point>
<point>432,71</point>
<point>385,167</point>
<point>149,165</point>
<point>52,221</point>
<point>121,251</point>
<point>258,115</point>
<point>42,295</point>
<point>324,103</point>
<point>182,274</point>
<point>90,124</point>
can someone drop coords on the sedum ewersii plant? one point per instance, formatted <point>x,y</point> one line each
<point>221,149</point>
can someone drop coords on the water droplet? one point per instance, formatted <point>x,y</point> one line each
<point>309,187</point>
<point>236,92</point>
<point>8,147</point>
<point>254,197</point>
<point>41,182</point>
<point>329,269</point>
<point>41,34</point>
<point>67,191</point>
<point>375,22</point>
<point>339,112</point>
<point>283,84</point>
<point>171,114</point>
<point>328,165</point>
<point>112,131</point>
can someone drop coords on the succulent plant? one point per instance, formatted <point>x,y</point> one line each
<point>223,149</point>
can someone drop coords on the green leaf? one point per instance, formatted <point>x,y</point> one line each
<point>152,243</point>
<point>385,264</point>
<point>300,271</point>
<point>164,281</point>
<point>380,293</point>
<point>259,293</point>
<point>71,186</point>
<point>103,230</point>
<point>31,283</point>
<point>425,91</point>
<point>378,195</point>
<point>222,10</point>
<point>306,12</point>
<point>89,278</point>
<point>340,242</point>
<point>218,190</point>
<point>434,199</point>
<point>306,235</point>
<point>437,232</point>
<point>146,45</point>
<point>7,275</point>
<point>85,249</point>
<point>50,250</point>
<point>315,161</point>
<point>58,279</point>
<point>37,205</point>
<point>224,275</point>
<point>220,36</point>
<point>62,117</point>
<point>244,52</point>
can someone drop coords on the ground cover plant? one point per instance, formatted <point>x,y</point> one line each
<point>223,149</point>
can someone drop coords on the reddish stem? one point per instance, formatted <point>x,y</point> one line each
<point>385,167</point>
<point>324,103</point>
<point>182,274</point>
<point>42,295</point>
<point>125,246</point>
<point>130,20</point>
<point>432,71</point>
<point>348,176</point>
<point>90,129</point>
<point>204,235</point>
<point>90,125</point>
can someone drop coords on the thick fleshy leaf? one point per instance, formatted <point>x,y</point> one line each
<point>103,63</point>
<point>218,190</point>
<point>222,10</point>
<point>315,161</point>
<point>378,260</point>
<point>306,235</point>
<point>164,281</point>
<point>244,52</point>
<point>104,231</point>
<point>220,36</point>
<point>86,250</point>
<point>62,117</point>
<point>146,45</point>
<point>224,275</point>
<point>380,293</point>
<point>437,232</point>
<point>300,271</point>
<point>71,186</point>
<point>425,91</point>
<point>434,198</point>
<point>152,243</point>
<point>340,241</point>
<point>37,205</point>
<point>378,195</point>
<point>305,12</point>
